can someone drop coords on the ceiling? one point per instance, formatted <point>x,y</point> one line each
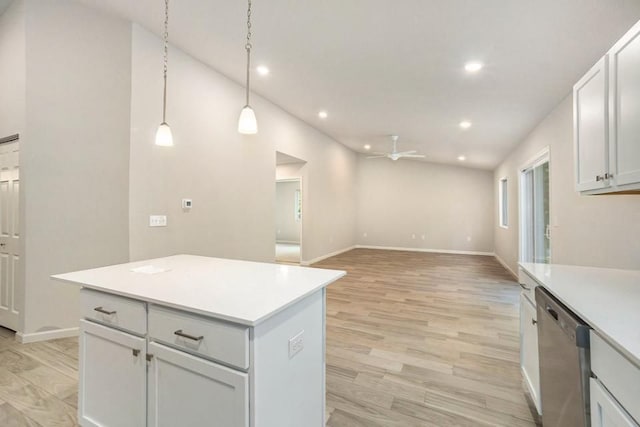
<point>381,67</point>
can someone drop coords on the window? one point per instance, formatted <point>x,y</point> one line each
<point>504,203</point>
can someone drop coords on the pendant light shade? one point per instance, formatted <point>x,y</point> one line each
<point>247,123</point>
<point>164,138</point>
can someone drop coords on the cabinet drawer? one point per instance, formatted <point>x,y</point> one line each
<point>528,286</point>
<point>617,374</point>
<point>214,339</point>
<point>113,310</point>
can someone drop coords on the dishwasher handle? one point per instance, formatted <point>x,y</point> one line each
<point>552,312</point>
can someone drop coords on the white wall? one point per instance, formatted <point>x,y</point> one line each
<point>287,227</point>
<point>452,207</point>
<point>230,177</point>
<point>75,156</point>
<point>601,231</point>
<point>12,69</point>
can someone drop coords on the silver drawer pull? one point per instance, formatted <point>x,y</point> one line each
<point>187,336</point>
<point>103,311</point>
<point>524,287</point>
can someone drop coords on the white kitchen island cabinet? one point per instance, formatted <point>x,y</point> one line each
<point>196,341</point>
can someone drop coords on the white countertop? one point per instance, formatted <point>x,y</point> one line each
<point>238,291</point>
<point>607,299</point>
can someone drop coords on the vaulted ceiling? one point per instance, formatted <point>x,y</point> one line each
<point>382,66</point>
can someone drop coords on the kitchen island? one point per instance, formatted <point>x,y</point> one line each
<point>197,341</point>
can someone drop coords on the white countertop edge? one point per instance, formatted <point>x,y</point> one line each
<point>635,359</point>
<point>246,322</point>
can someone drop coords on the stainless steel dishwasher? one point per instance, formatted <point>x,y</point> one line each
<point>565,368</point>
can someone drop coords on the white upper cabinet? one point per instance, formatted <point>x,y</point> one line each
<point>590,128</point>
<point>606,121</point>
<point>624,83</point>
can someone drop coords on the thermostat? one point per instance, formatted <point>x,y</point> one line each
<point>187,203</point>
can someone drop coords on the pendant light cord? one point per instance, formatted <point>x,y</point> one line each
<point>166,54</point>
<point>248,46</point>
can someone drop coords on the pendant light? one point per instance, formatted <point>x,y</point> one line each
<point>247,123</point>
<point>163,134</point>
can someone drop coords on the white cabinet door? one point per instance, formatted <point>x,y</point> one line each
<point>624,125</point>
<point>590,128</point>
<point>605,411</point>
<point>189,391</point>
<point>113,373</point>
<point>529,349</point>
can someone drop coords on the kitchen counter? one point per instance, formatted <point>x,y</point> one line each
<point>237,291</point>
<point>607,299</point>
<point>237,337</point>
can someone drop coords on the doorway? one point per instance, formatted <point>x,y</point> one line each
<point>289,209</point>
<point>10,273</point>
<point>535,234</point>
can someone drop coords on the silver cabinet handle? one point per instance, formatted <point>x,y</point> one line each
<point>103,311</point>
<point>524,287</point>
<point>534,321</point>
<point>599,178</point>
<point>135,352</point>
<point>187,336</point>
<point>608,176</point>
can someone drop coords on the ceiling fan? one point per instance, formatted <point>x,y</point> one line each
<point>395,154</point>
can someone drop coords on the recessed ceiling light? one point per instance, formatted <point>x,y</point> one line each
<point>462,158</point>
<point>367,147</point>
<point>473,67</point>
<point>465,124</point>
<point>263,70</point>
<point>323,114</point>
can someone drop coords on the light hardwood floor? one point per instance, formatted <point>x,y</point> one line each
<point>421,339</point>
<point>413,339</point>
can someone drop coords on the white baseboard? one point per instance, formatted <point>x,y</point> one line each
<point>47,335</point>
<point>504,264</point>
<point>320,258</point>
<point>437,251</point>
<point>288,242</point>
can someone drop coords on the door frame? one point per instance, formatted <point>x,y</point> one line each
<point>543,156</point>
<point>301,228</point>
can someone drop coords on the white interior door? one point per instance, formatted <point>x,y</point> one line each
<point>10,278</point>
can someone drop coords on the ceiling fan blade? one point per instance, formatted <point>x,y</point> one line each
<point>378,153</point>
<point>402,153</point>
<point>413,156</point>
<point>376,157</point>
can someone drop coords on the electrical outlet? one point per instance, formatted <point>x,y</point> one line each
<point>413,236</point>
<point>157,221</point>
<point>364,234</point>
<point>423,237</point>
<point>296,344</point>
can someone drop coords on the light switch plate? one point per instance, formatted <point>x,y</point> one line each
<point>296,344</point>
<point>157,220</point>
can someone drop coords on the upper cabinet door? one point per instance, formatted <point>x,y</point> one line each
<point>624,106</point>
<point>590,128</point>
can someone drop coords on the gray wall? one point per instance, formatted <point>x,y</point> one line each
<point>600,231</point>
<point>230,177</point>
<point>75,156</point>
<point>445,207</point>
<point>287,228</point>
